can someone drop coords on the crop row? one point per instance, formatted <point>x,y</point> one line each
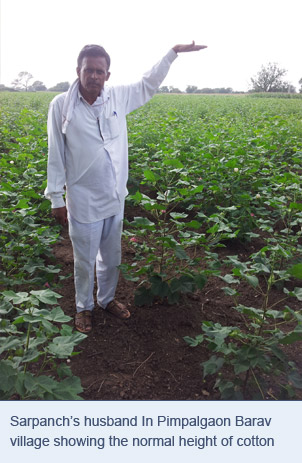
<point>35,340</point>
<point>206,171</point>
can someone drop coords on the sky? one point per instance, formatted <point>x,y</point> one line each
<point>44,38</point>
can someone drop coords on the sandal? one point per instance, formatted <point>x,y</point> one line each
<point>118,309</point>
<point>83,321</point>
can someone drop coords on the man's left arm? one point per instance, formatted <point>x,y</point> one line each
<point>140,93</point>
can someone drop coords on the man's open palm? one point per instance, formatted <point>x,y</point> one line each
<point>189,47</point>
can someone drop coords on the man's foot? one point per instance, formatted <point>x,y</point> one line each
<point>118,309</point>
<point>83,321</point>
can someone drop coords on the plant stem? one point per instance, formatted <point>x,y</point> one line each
<point>258,385</point>
<point>27,344</point>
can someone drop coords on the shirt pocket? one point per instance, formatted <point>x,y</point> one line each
<point>112,126</point>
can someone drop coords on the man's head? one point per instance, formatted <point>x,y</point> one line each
<point>93,51</point>
<point>93,71</point>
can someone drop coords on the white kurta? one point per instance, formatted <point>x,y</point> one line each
<point>91,159</point>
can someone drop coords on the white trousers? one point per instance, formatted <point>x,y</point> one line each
<point>96,246</point>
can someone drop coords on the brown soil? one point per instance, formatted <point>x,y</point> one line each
<point>145,357</point>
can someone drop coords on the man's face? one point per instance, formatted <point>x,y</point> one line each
<point>93,74</point>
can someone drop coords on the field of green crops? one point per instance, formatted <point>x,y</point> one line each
<point>204,171</point>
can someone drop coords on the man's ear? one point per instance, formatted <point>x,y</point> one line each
<point>78,72</point>
<point>108,75</point>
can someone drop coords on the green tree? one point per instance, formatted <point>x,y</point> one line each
<point>174,90</point>
<point>22,81</point>
<point>191,89</point>
<point>37,86</point>
<point>163,89</point>
<point>300,82</point>
<point>3,88</point>
<point>60,87</point>
<point>270,79</point>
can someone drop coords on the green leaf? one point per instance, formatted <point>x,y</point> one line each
<point>292,337</point>
<point>184,284</point>
<point>49,327</point>
<point>149,175</point>
<point>17,298</point>
<point>241,367</point>
<point>194,224</point>
<point>62,346</point>
<point>8,376</point>
<point>250,311</point>
<point>173,298</point>
<point>178,215</point>
<point>137,196</point>
<point>46,296</point>
<point>174,163</point>
<point>19,385</point>
<point>143,296</point>
<point>66,330</point>
<point>229,291</point>
<point>200,280</point>
<point>22,204</point>
<point>158,287</point>
<point>295,378</point>
<point>180,253</point>
<point>212,366</point>
<point>44,205</point>
<point>198,189</point>
<point>64,370</point>
<point>142,222</point>
<point>216,332</point>
<point>31,355</point>
<point>68,389</point>
<point>260,267</point>
<point>193,342</point>
<point>5,307</point>
<point>44,384</point>
<point>229,279</point>
<point>227,390</point>
<point>10,343</point>
<point>57,315</point>
<point>251,279</point>
<point>297,206</point>
<point>296,271</point>
<point>29,382</point>
<point>298,293</point>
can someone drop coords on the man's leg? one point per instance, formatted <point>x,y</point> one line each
<point>85,240</point>
<point>108,259</point>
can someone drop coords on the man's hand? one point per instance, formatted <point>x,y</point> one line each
<point>190,47</point>
<point>60,214</point>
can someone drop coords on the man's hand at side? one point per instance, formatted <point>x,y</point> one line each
<point>189,47</point>
<point>60,214</point>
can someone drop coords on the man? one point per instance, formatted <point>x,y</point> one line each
<point>88,152</point>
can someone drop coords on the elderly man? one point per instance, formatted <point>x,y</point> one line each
<point>88,154</point>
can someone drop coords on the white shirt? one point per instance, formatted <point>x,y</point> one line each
<point>92,158</point>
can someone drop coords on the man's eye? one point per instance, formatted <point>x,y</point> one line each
<point>91,71</point>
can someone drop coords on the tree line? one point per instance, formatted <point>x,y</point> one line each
<point>23,83</point>
<point>270,78</point>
